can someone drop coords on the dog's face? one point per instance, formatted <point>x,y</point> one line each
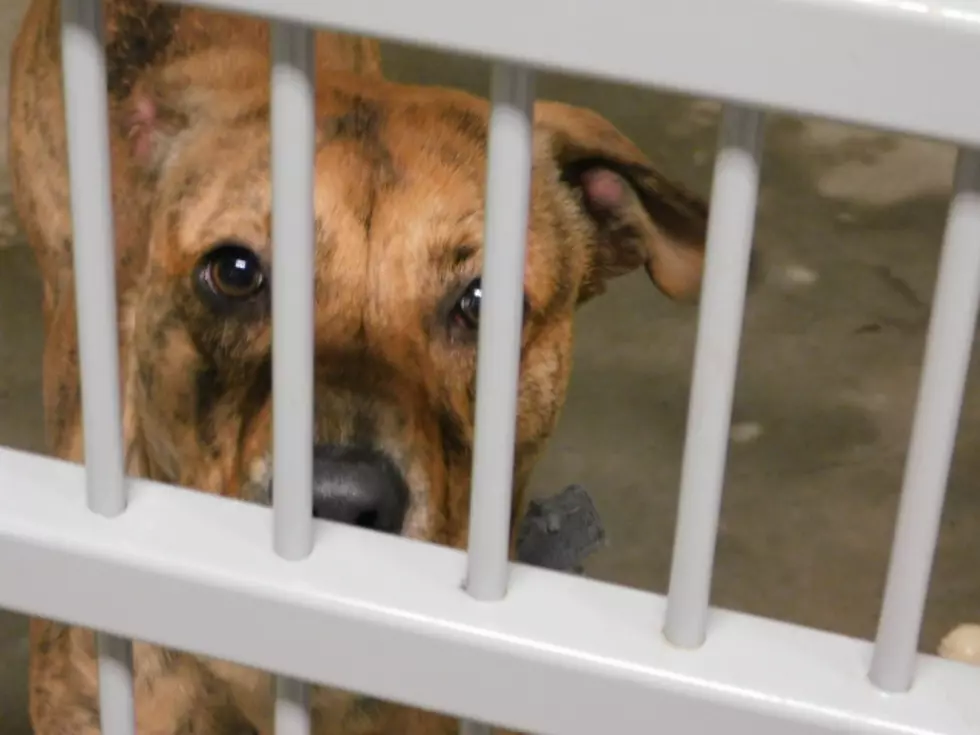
<point>400,176</point>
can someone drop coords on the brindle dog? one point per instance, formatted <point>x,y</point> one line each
<point>399,222</point>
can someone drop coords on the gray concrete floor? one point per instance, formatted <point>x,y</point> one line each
<point>850,222</point>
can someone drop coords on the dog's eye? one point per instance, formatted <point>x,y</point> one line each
<point>466,313</point>
<point>233,272</point>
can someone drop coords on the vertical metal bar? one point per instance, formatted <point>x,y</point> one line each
<point>944,373</point>
<point>293,99</point>
<point>499,349</point>
<point>94,261</point>
<point>293,155</point>
<point>292,711</point>
<point>117,708</point>
<point>467,727</point>
<point>508,186</point>
<point>94,250</point>
<point>729,246</point>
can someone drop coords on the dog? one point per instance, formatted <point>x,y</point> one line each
<point>399,185</point>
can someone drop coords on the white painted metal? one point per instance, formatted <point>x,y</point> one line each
<point>86,109</point>
<point>501,316</point>
<point>293,138</point>
<point>947,359</point>
<point>293,99</point>
<point>387,616</point>
<point>117,701</point>
<point>292,709</point>
<point>853,60</point>
<point>468,727</point>
<point>730,231</point>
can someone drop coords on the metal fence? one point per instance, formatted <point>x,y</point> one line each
<point>515,646</point>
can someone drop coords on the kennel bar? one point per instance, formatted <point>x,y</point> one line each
<point>729,248</point>
<point>501,315</point>
<point>293,155</point>
<point>386,616</point>
<point>293,253</point>
<point>508,188</point>
<point>949,345</point>
<point>557,654</point>
<point>855,61</point>
<point>93,253</point>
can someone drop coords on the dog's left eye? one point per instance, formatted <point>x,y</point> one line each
<point>466,313</point>
<point>233,272</point>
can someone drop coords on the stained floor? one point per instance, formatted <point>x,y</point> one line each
<point>850,223</point>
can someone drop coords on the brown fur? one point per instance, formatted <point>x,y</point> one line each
<point>399,198</point>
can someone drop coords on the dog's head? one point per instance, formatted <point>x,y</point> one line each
<point>399,201</point>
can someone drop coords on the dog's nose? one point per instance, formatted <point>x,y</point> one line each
<point>359,486</point>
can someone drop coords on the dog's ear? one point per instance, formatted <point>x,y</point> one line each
<point>188,91</point>
<point>637,215</point>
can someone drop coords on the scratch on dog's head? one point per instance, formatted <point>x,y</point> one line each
<point>399,200</point>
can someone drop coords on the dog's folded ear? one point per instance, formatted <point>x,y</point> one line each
<point>639,216</point>
<point>187,91</point>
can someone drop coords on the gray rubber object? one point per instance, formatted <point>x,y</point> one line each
<point>561,531</point>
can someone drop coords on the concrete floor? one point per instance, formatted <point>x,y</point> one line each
<point>850,222</point>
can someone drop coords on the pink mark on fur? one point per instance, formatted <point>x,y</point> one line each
<point>603,187</point>
<point>141,121</point>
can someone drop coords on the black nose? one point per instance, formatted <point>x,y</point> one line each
<point>359,486</point>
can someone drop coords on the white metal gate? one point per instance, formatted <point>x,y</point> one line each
<point>515,646</point>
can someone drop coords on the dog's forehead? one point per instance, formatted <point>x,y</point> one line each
<point>410,163</point>
<point>410,174</point>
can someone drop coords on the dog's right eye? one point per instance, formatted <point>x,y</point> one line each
<point>232,272</point>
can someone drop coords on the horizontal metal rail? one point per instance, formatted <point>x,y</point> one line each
<point>857,61</point>
<point>559,654</point>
